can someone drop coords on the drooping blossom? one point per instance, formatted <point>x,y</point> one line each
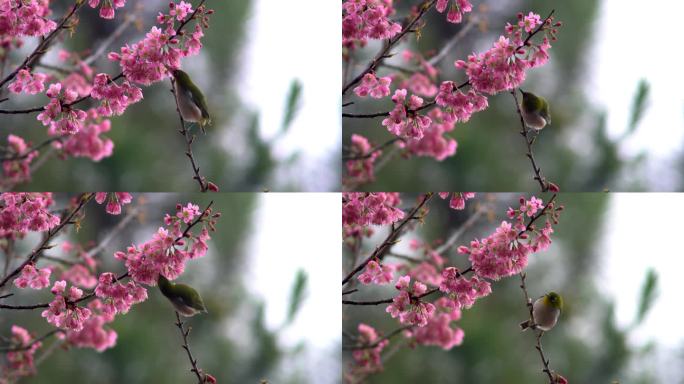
<point>25,18</point>
<point>63,312</point>
<point>407,306</point>
<point>440,330</point>
<point>368,360</point>
<point>94,334</point>
<point>373,86</point>
<point>19,170</point>
<point>23,212</point>
<point>460,291</point>
<point>59,115</point>
<point>20,361</point>
<point>376,273</point>
<point>108,7</point>
<point>458,199</point>
<point>456,9</point>
<point>361,169</point>
<point>33,277</point>
<point>367,19</point>
<point>404,120</point>
<point>117,297</point>
<point>88,141</point>
<point>28,83</point>
<point>361,210</point>
<point>115,202</point>
<point>115,98</point>
<point>459,106</point>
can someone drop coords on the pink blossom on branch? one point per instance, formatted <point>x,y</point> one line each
<point>440,330</point>
<point>457,9</point>
<point>376,273</point>
<point>63,312</point>
<point>117,297</point>
<point>33,277</point>
<point>115,202</point>
<point>18,171</point>
<point>360,210</point>
<point>108,7</point>
<point>404,121</point>
<point>367,19</point>
<point>407,307</point>
<point>21,213</point>
<point>25,18</point>
<point>28,83</point>
<point>20,362</point>
<point>368,360</point>
<point>94,335</point>
<point>360,170</point>
<point>373,86</point>
<point>58,115</point>
<point>458,199</point>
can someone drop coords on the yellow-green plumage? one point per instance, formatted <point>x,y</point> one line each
<point>184,298</point>
<point>191,101</point>
<point>535,110</point>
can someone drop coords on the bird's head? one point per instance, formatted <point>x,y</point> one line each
<point>554,300</point>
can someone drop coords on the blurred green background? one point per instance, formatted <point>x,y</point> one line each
<point>590,344</point>
<point>149,153</point>
<point>237,341</point>
<point>577,152</point>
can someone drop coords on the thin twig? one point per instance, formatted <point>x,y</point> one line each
<point>390,240</point>
<point>372,151</point>
<point>32,343</point>
<point>114,232</point>
<point>460,231</point>
<point>538,175</point>
<point>102,49</point>
<point>193,361</point>
<point>472,21</point>
<point>378,341</point>
<point>28,152</point>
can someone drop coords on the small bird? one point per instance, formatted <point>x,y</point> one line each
<point>535,111</point>
<point>191,101</point>
<point>184,298</point>
<point>545,312</point>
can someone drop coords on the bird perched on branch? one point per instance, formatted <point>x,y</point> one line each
<point>545,312</point>
<point>535,110</point>
<point>191,102</point>
<point>184,298</point>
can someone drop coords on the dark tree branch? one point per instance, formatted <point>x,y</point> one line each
<point>539,332</point>
<point>538,175</point>
<point>378,341</point>
<point>370,153</point>
<point>193,361</point>
<point>32,343</point>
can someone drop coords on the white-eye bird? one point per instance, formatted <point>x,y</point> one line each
<point>191,101</point>
<point>545,312</point>
<point>184,298</point>
<point>535,110</point>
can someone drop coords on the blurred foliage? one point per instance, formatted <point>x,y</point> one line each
<point>148,150</point>
<point>576,152</point>
<point>587,346</point>
<point>232,341</point>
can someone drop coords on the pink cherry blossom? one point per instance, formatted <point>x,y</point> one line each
<point>80,276</point>
<point>373,86</point>
<point>63,312</point>
<point>529,22</point>
<point>33,277</point>
<point>94,335</point>
<point>58,115</point>
<point>24,212</point>
<point>117,297</point>
<point>107,8</point>
<point>407,306</point>
<point>367,19</point>
<point>368,360</point>
<point>460,291</point>
<point>25,18</point>
<point>115,202</point>
<point>28,83</point>
<point>18,171</point>
<point>187,213</point>
<point>458,199</point>
<point>361,210</point>
<point>88,142</point>
<point>456,10</point>
<point>376,273</point>
<point>361,170</point>
<point>404,121</point>
<point>440,329</point>
<point>20,362</point>
<point>459,106</point>
<point>115,98</point>
<point>434,143</point>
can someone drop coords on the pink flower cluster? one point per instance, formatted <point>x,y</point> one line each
<point>440,329</point>
<point>434,142</point>
<point>376,273</point>
<point>367,19</point>
<point>115,202</point>
<point>373,86</point>
<point>460,291</point>
<point>88,142</point>
<point>24,212</point>
<point>458,199</point>
<point>25,18</point>
<point>28,83</point>
<point>20,362</point>
<point>459,106</point>
<point>63,312</point>
<point>107,8</point>
<point>506,251</point>
<point>407,306</point>
<point>150,60</point>
<point>404,121</point>
<point>94,335</point>
<point>117,297</point>
<point>168,251</point>
<point>361,210</point>
<point>115,98</point>
<point>361,170</point>
<point>368,359</point>
<point>33,277</point>
<point>456,10</point>
<point>58,115</point>
<point>18,171</point>
<point>503,67</point>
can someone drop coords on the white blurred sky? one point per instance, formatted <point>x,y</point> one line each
<point>296,39</point>
<point>293,231</point>
<point>629,46</point>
